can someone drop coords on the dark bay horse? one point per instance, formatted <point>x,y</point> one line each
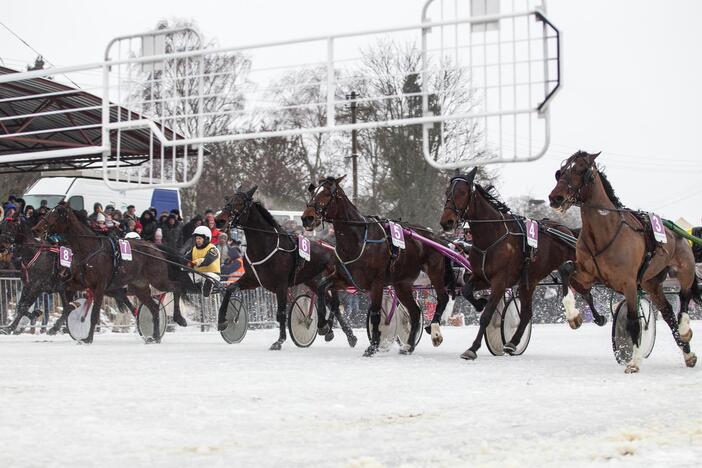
<point>365,259</point>
<point>616,248</point>
<point>41,273</point>
<point>273,262</point>
<point>97,266</point>
<point>500,257</point>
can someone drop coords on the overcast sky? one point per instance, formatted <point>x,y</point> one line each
<point>632,74</point>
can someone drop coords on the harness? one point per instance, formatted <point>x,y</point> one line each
<point>587,177</point>
<point>236,220</point>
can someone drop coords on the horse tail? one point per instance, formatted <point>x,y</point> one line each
<point>449,278</point>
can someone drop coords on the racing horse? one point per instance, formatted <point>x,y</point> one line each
<point>616,248</point>
<point>97,265</point>
<point>272,261</point>
<point>500,256</point>
<point>365,259</point>
<point>41,273</point>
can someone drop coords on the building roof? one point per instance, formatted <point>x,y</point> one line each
<point>42,105</point>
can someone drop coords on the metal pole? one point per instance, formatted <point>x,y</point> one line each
<point>354,147</point>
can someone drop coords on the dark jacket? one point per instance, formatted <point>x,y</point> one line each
<point>172,235</point>
<point>149,226</point>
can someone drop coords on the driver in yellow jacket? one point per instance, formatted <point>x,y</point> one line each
<point>204,258</point>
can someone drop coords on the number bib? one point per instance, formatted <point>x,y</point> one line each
<point>65,256</point>
<point>304,248</point>
<point>397,235</point>
<point>125,249</point>
<point>532,228</point>
<point>658,228</point>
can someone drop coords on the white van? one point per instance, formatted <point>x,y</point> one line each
<point>82,193</point>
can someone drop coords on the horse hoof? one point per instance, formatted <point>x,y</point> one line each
<point>691,360</point>
<point>180,320</point>
<point>370,351</point>
<point>86,341</point>
<point>276,346</point>
<point>469,355</point>
<point>631,369</point>
<point>576,322</point>
<point>509,348</point>
<point>329,336</point>
<point>323,330</point>
<point>436,338</point>
<point>600,320</point>
<point>406,349</point>
<point>352,340</point>
<point>51,331</point>
<point>221,326</point>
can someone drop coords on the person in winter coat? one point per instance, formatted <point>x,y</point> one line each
<point>148,224</point>
<point>172,232</point>
<point>212,225</point>
<point>190,226</point>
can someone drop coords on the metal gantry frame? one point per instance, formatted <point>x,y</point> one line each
<point>508,62</point>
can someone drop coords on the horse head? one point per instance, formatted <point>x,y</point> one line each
<point>572,180</point>
<point>458,196</point>
<point>236,207</point>
<point>322,198</point>
<point>56,220</point>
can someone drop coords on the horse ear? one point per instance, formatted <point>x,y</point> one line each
<point>338,181</point>
<point>252,191</point>
<point>311,188</point>
<point>594,156</point>
<point>471,175</point>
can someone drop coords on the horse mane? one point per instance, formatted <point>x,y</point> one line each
<point>488,193</point>
<point>609,190</point>
<point>266,214</point>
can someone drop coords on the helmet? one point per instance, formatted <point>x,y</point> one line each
<point>132,235</point>
<point>203,231</point>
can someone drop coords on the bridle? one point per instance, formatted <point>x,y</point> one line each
<point>452,198</point>
<point>236,217</point>
<point>566,172</point>
<point>320,210</point>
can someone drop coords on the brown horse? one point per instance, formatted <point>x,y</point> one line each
<point>500,257</point>
<point>613,249</point>
<point>96,265</point>
<point>365,258</point>
<point>273,262</point>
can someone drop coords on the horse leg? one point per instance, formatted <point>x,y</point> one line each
<point>442,298</point>
<point>567,270</point>
<point>324,327</point>
<point>67,308</point>
<point>633,326</point>
<point>376,302</point>
<point>177,315</point>
<point>144,295</point>
<point>345,327</point>
<point>94,314</point>
<point>468,293</point>
<point>222,323</point>
<point>23,304</point>
<point>406,298</point>
<point>496,296</point>
<point>526,294</point>
<point>282,299</point>
<point>661,302</point>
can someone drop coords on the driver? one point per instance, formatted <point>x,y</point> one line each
<point>204,258</point>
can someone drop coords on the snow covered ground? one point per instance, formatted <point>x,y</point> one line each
<point>196,401</point>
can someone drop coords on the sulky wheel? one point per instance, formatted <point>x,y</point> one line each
<point>404,324</point>
<point>493,332</point>
<point>510,322</point>
<point>145,321</point>
<point>622,345</point>
<point>237,320</point>
<point>78,321</point>
<point>302,320</point>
